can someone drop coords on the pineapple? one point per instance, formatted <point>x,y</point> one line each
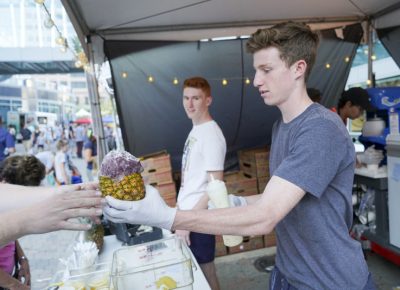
<point>131,187</point>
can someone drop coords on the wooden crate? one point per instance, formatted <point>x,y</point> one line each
<point>249,244</point>
<point>270,240</point>
<point>168,193</point>
<point>158,178</point>
<point>156,163</point>
<point>239,183</point>
<point>254,162</point>
<point>262,183</point>
<point>220,248</point>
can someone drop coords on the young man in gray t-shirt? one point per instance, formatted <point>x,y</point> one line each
<point>308,198</point>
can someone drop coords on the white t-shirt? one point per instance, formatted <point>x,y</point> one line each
<point>60,161</point>
<point>204,150</point>
<point>47,158</point>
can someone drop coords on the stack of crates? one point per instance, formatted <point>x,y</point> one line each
<point>158,173</point>
<point>255,163</point>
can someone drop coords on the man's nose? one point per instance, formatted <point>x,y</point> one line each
<point>256,81</point>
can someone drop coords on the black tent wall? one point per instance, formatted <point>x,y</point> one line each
<point>390,38</point>
<point>151,114</point>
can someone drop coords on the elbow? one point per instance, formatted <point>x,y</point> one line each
<point>266,222</point>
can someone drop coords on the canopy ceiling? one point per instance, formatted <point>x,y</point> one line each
<point>103,21</point>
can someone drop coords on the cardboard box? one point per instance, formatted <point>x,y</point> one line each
<point>239,183</point>
<point>158,178</point>
<point>249,244</point>
<point>220,248</point>
<point>262,183</point>
<point>156,163</point>
<point>270,240</point>
<point>254,162</point>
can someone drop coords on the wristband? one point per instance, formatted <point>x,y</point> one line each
<point>22,258</point>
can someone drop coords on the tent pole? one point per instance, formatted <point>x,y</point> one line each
<point>95,104</point>
<point>370,40</point>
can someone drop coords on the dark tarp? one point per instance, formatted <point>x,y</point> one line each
<point>390,38</point>
<point>152,116</point>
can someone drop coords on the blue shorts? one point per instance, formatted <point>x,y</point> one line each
<point>202,247</point>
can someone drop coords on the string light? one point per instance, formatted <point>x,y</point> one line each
<point>80,57</point>
<point>150,79</point>
<point>347,59</point>
<point>247,81</point>
<point>369,82</point>
<point>124,74</point>
<point>328,66</point>
<point>224,82</point>
<point>373,57</point>
<point>175,81</point>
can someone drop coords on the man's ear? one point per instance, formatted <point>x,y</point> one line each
<point>208,100</point>
<point>300,68</point>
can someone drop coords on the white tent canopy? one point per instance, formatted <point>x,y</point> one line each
<point>190,20</point>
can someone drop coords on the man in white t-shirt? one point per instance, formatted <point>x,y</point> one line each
<point>203,155</point>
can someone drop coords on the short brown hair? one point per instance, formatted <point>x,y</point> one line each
<point>198,83</point>
<point>22,170</point>
<point>295,41</point>
<point>61,143</point>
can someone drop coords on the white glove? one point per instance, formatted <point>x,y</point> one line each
<point>151,211</point>
<point>234,201</point>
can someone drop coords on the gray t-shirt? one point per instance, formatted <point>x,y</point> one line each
<point>315,250</point>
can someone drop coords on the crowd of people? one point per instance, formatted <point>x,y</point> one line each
<point>310,212</point>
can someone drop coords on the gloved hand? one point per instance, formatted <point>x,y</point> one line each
<point>151,211</point>
<point>234,201</point>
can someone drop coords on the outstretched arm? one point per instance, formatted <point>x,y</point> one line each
<point>51,214</point>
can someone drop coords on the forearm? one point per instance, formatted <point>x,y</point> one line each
<point>246,220</point>
<point>11,226</point>
<point>252,198</point>
<point>16,196</point>
<point>202,203</point>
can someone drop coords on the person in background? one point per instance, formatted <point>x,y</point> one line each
<point>311,213</point>
<point>7,142</point>
<point>61,166</point>
<point>314,94</point>
<point>90,154</point>
<point>79,139</point>
<point>12,131</point>
<point>21,170</point>
<point>26,138</point>
<point>47,158</point>
<point>352,104</point>
<point>203,155</point>
<point>36,210</point>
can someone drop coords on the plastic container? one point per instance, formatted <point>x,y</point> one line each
<point>96,277</point>
<point>163,264</point>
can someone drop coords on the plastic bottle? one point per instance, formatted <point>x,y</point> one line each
<point>218,194</point>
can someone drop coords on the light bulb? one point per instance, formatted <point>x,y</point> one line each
<point>63,48</point>
<point>124,74</point>
<point>150,79</point>
<point>60,40</point>
<point>39,1</point>
<point>373,57</point>
<point>247,81</point>
<point>328,66</point>
<point>224,82</point>
<point>368,82</point>
<point>48,23</point>
<point>78,64</point>
<point>175,81</point>
<point>347,59</point>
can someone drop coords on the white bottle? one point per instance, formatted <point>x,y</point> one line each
<point>393,122</point>
<point>218,194</point>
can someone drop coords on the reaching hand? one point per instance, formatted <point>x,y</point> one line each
<point>54,212</point>
<point>234,201</point>
<point>152,210</point>
<point>184,235</point>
